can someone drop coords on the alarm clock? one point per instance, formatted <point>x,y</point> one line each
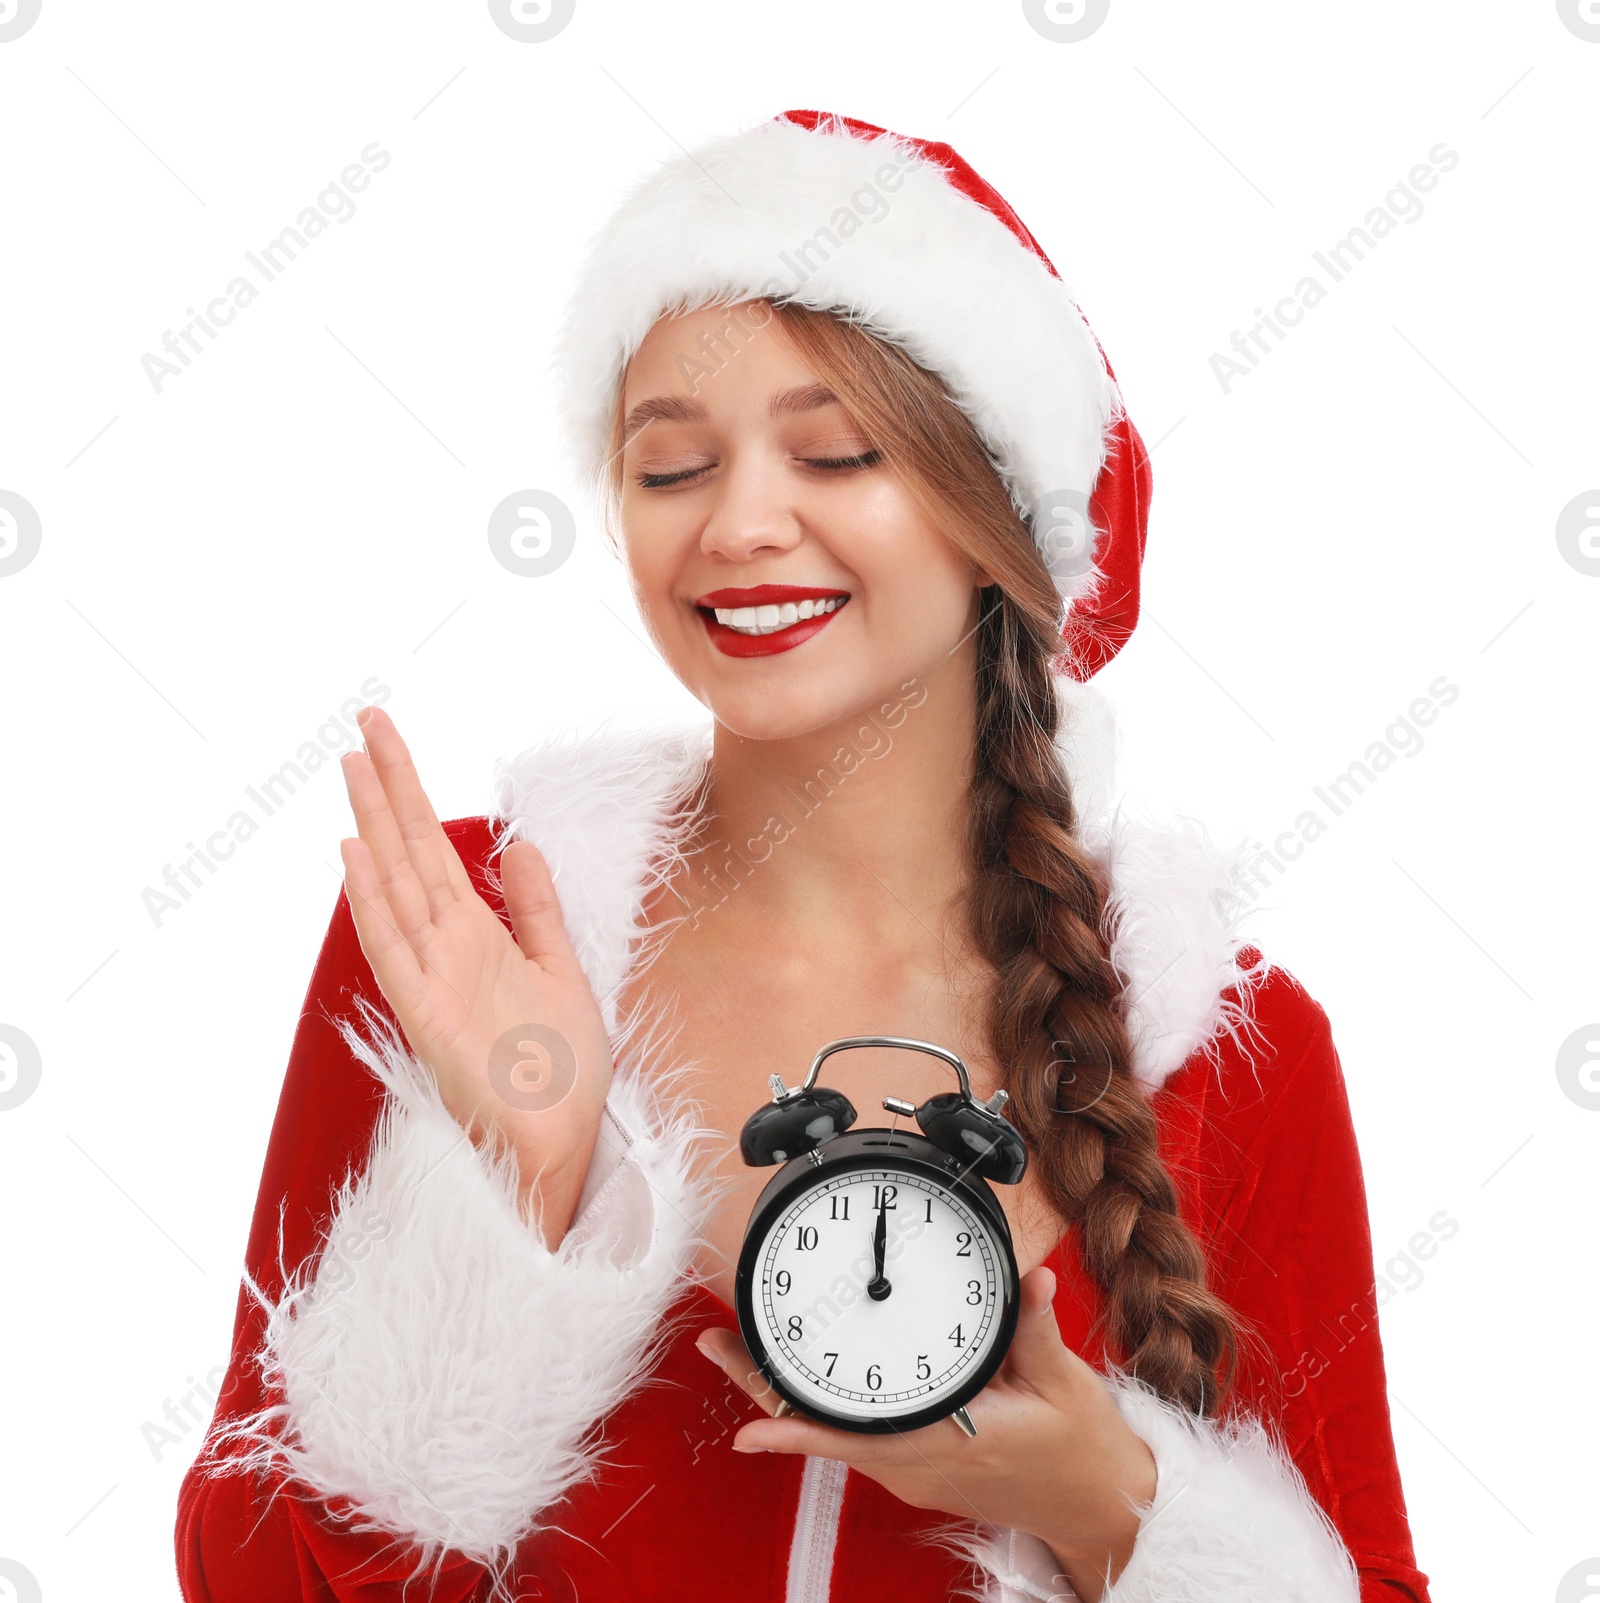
<point>877,1283</point>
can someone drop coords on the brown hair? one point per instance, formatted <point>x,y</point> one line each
<point>1037,908</point>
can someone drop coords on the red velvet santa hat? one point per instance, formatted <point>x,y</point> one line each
<point>906,238</point>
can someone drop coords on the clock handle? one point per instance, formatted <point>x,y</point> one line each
<point>905,1041</point>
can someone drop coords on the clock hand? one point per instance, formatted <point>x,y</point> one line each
<point>879,1287</point>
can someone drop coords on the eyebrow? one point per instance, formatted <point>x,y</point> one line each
<point>678,409</point>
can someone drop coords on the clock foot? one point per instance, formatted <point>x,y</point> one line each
<point>964,1420</point>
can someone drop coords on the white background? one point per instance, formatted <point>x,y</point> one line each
<point>225,562</point>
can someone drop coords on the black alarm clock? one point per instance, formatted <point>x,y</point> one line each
<point>877,1284</point>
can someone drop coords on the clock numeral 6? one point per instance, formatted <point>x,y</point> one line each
<point>874,1377</point>
<point>974,1292</point>
<point>923,1368</point>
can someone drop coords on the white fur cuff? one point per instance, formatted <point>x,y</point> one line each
<point>1232,1521</point>
<point>440,1366</point>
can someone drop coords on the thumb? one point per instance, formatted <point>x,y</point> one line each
<point>533,906</point>
<point>1038,1354</point>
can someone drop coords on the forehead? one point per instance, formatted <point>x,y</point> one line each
<point>692,365</point>
<point>683,350</point>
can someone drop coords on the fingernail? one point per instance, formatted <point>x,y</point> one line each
<point>712,1354</point>
<point>745,1448</point>
<point>363,715</point>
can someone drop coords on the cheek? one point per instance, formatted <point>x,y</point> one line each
<point>913,573</point>
<point>919,605</point>
<point>651,549</point>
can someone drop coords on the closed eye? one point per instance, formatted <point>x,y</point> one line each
<point>868,459</point>
<point>659,481</point>
<point>828,464</point>
<point>842,464</point>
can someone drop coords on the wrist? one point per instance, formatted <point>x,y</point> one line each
<point>553,1186</point>
<point>1101,1541</point>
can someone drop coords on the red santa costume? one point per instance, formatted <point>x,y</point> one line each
<point>422,1397</point>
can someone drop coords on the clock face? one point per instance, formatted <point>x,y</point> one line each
<point>864,1346</point>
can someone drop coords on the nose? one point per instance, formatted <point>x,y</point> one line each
<point>753,511</point>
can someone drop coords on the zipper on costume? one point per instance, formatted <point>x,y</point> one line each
<point>816,1530</point>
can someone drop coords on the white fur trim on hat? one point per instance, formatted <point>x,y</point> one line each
<point>872,227</point>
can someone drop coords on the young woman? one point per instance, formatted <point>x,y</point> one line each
<point>883,512</point>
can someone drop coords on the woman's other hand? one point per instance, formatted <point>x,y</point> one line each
<point>1052,1456</point>
<point>507,1024</point>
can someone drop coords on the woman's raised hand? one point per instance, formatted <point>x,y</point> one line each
<point>509,1027</point>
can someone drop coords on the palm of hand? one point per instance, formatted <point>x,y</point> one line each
<point>505,1021</point>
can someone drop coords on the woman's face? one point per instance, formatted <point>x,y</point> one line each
<point>751,500</point>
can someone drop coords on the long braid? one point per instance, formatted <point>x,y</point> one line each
<point>1057,1024</point>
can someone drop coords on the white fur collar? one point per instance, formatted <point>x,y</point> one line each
<point>607,811</point>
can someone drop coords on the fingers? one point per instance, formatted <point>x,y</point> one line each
<point>793,1433</point>
<point>416,864</point>
<point>434,859</point>
<point>402,892</point>
<point>1039,1359</point>
<point>1038,1289</point>
<point>394,964</point>
<point>725,1349</point>
<point>802,1436</point>
<point>533,906</point>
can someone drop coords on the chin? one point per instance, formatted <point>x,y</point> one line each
<point>791,712</point>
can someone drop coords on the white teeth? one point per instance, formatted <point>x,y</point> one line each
<point>766,620</point>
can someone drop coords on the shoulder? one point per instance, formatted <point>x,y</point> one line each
<point>1174,925</point>
<point>1285,1031</point>
<point>1265,1107</point>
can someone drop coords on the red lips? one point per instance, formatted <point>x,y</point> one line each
<point>766,595</point>
<point>733,644</point>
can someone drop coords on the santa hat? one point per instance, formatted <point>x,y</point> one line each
<point>904,237</point>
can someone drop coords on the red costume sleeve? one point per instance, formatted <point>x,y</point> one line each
<point>416,1376</point>
<point>243,1536</point>
<point>1292,1250</point>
